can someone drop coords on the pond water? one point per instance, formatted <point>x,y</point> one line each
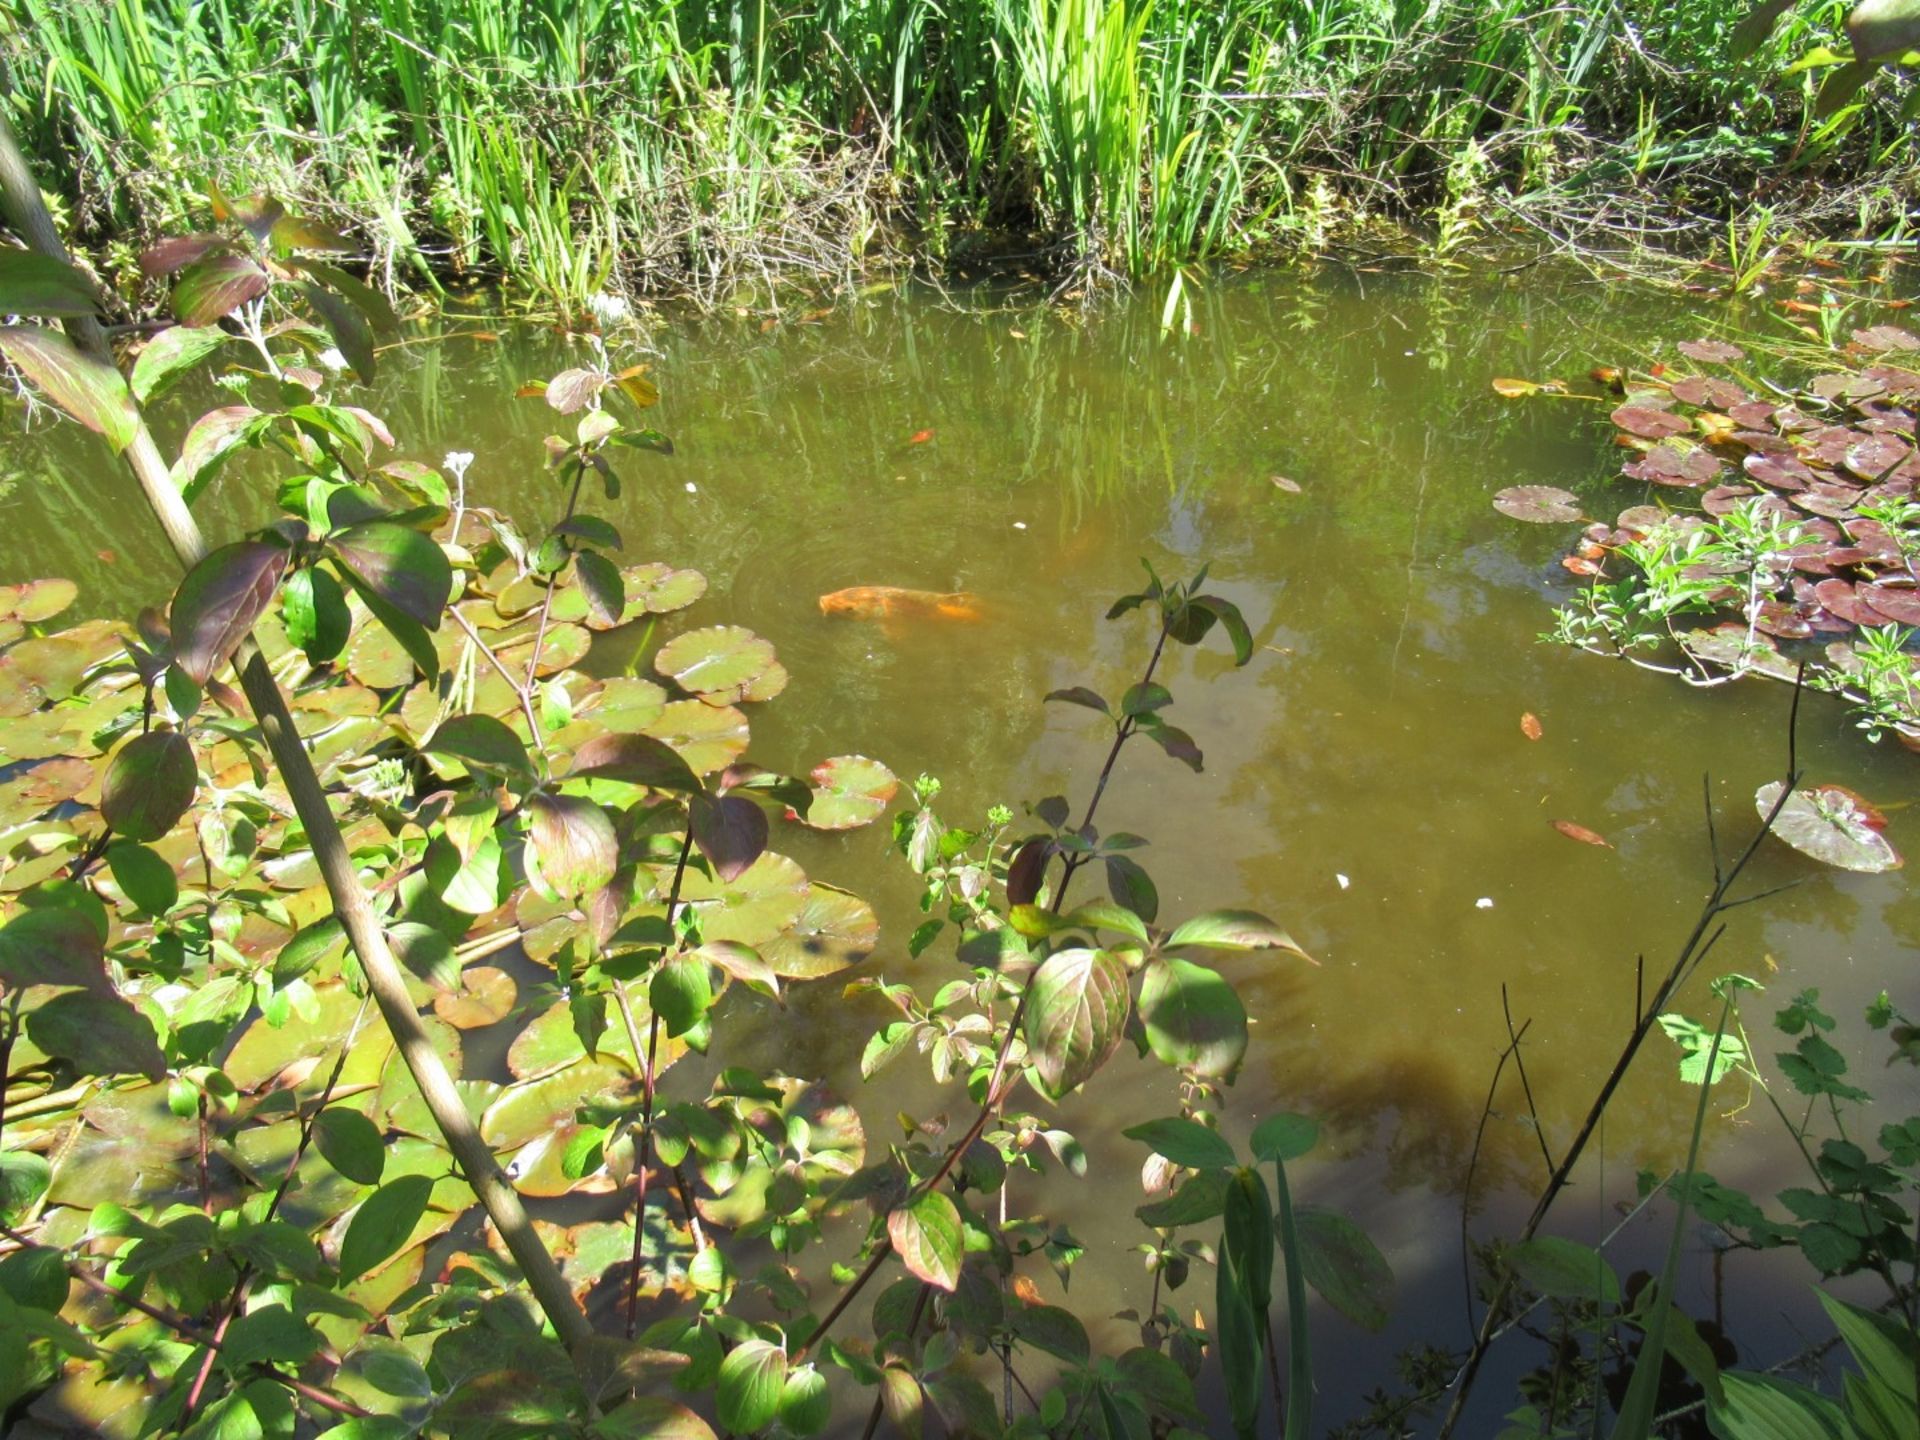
<point>1367,781</point>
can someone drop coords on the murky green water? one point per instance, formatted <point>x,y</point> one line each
<point>1367,782</point>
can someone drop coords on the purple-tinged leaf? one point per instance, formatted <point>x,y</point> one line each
<point>1081,695</point>
<point>98,1034</point>
<point>349,328</point>
<point>149,784</point>
<point>54,946</point>
<point>731,832</point>
<point>929,1239</point>
<point>89,390</point>
<point>1234,930</point>
<point>403,567</point>
<point>606,591</point>
<point>216,286</point>
<point>213,437</point>
<point>170,354</point>
<point>1132,887</point>
<point>572,841</point>
<point>479,740</point>
<point>1027,870</point>
<point>218,602</point>
<point>32,284</point>
<point>179,252</point>
<point>571,389</point>
<point>1076,1014</point>
<point>635,759</point>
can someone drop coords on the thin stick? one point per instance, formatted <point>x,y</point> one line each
<point>1520,1064</point>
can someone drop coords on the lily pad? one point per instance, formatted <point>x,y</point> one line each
<point>765,899</point>
<point>528,1110</point>
<point>485,997</point>
<point>1538,504</point>
<point>1833,825</point>
<point>658,589</point>
<point>708,737</point>
<point>34,601</point>
<point>1649,422</point>
<point>849,791</point>
<point>1711,351</point>
<point>720,660</point>
<point>835,929</point>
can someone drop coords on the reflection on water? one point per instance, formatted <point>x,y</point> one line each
<point>1367,782</point>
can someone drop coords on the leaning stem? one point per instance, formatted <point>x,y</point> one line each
<point>20,198</point>
<point>546,605</point>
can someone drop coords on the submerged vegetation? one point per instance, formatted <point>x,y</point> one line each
<point>709,147</point>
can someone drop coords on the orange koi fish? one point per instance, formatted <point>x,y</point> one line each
<point>889,602</point>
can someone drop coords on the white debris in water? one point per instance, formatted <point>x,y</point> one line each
<point>1483,903</point>
<point>692,489</point>
<point>1019,524</point>
<point>1344,882</point>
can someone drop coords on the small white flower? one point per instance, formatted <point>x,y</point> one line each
<point>607,308</point>
<point>333,359</point>
<point>457,461</point>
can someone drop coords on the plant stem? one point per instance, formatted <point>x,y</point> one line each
<point>25,210</point>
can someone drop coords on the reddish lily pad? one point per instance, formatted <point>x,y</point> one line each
<point>1886,337</point>
<point>36,600</point>
<point>1650,423</point>
<point>850,791</point>
<point>1833,825</point>
<point>1711,351</point>
<point>1538,504</point>
<point>485,997</point>
<point>1900,604</point>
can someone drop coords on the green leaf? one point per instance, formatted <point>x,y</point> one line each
<point>1885,1351</point>
<point>600,578</point>
<point>1233,930</point>
<point>143,877</point>
<point>308,947</point>
<point>1081,695</point>
<point>411,634</point>
<point>314,609</point>
<point>148,785</point>
<point>33,284</point>
<point>1565,1270</point>
<point>929,1239</point>
<point>382,1225</point>
<point>1284,1137</point>
<point>1054,1330</point>
<point>218,602</point>
<point>1076,1012</point>
<point>52,946</point>
<point>805,1406</point>
<point>1247,1238</point>
<point>24,1178</point>
<point>753,1378</point>
<point>351,1143</point>
<point>479,741</point>
<point>1192,1018</point>
<point>426,953</point>
<point>1184,1141</point>
<point>349,328</point>
<point>1132,887</point>
<point>680,993</point>
<point>403,567</point>
<point>1145,699</point>
<point>1759,1407</point>
<point>1228,614</point>
<point>1200,1199</point>
<point>1106,915</point>
<point>98,1034</point>
<point>170,355</point>
<point>272,1334</point>
<point>1345,1267</point>
<point>89,390</point>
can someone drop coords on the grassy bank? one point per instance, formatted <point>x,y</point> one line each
<point>649,144</point>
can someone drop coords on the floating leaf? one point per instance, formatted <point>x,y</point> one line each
<point>848,791</point>
<point>1538,504</point>
<point>1530,726</point>
<point>927,1236</point>
<point>1518,389</point>
<point>753,907</point>
<point>835,929</point>
<point>1833,825</point>
<point>720,660</point>
<point>708,737</point>
<point>89,390</point>
<point>658,589</point>
<point>485,997</point>
<point>1581,833</point>
<point>149,784</point>
<point>34,601</point>
<point>1710,351</point>
<point>219,601</point>
<point>1649,422</point>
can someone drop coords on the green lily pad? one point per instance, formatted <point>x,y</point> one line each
<point>565,646</point>
<point>658,589</point>
<point>485,997</point>
<point>526,594</point>
<point>535,1107</point>
<point>763,900</point>
<point>708,737</point>
<point>376,659</point>
<point>1833,825</point>
<point>835,929</point>
<point>35,601</point>
<point>39,788</point>
<point>849,791</point>
<point>719,661</point>
<point>39,671</point>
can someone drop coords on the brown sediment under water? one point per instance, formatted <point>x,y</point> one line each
<point>1367,780</point>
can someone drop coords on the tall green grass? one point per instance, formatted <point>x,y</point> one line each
<point>714,143</point>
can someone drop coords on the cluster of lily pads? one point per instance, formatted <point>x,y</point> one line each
<point>1780,539</point>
